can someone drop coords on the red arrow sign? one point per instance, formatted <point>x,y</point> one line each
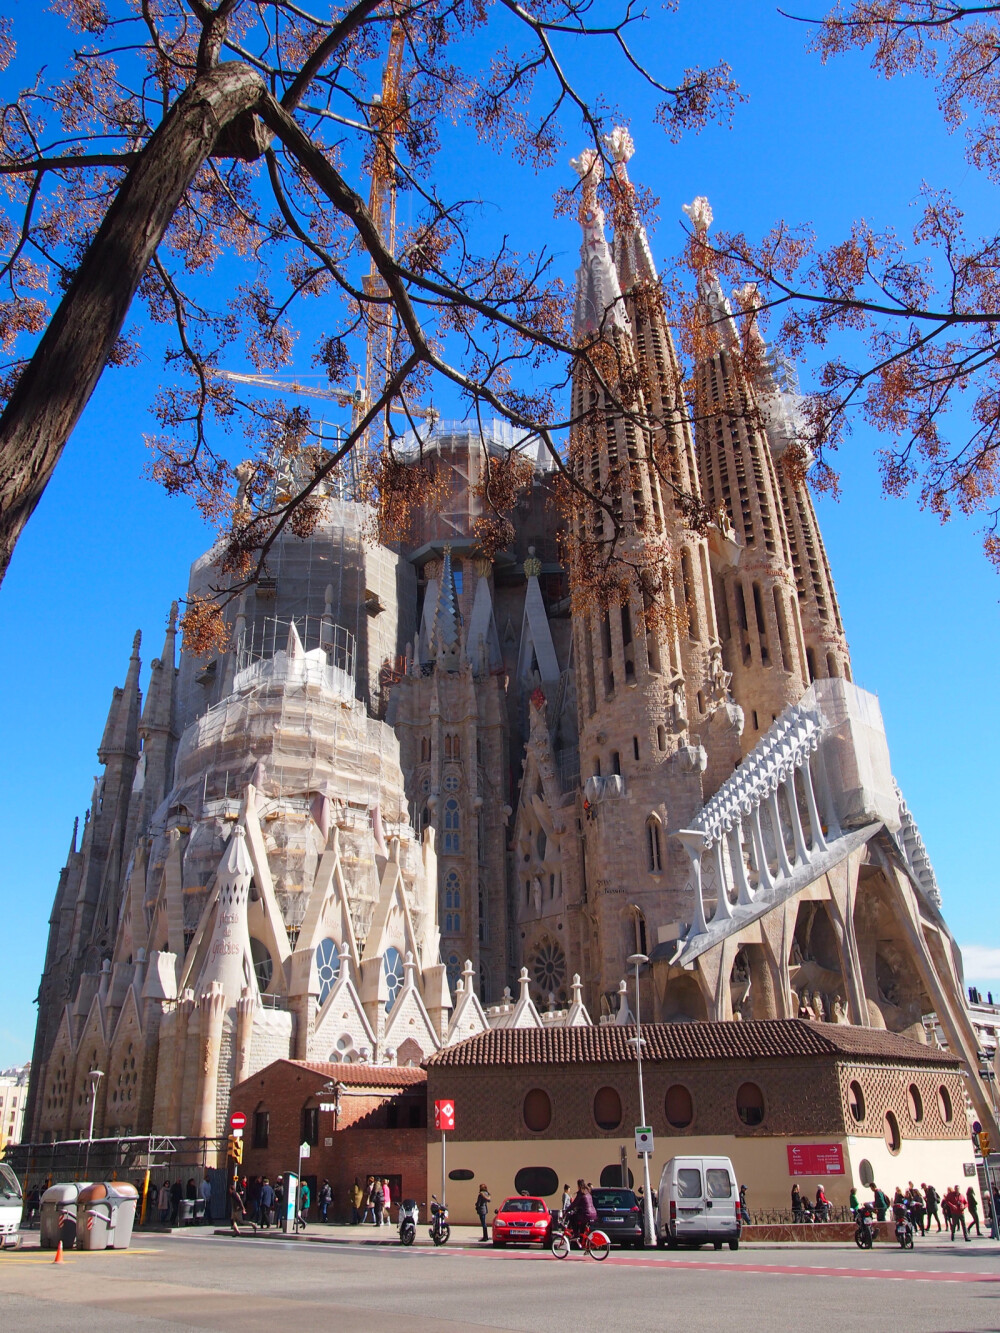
<point>444,1115</point>
<point>237,1120</point>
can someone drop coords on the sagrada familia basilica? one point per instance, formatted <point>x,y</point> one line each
<point>424,792</point>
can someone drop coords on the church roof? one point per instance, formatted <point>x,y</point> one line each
<point>780,1038</point>
<point>367,1076</point>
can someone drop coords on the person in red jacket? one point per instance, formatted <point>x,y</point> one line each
<point>953,1204</point>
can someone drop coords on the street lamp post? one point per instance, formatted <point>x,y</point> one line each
<point>648,1225</point>
<point>93,1078</point>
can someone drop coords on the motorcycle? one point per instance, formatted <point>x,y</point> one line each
<point>440,1230</point>
<point>409,1216</point>
<point>866,1231</point>
<point>904,1228</point>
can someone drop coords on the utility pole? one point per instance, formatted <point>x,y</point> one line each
<point>648,1225</point>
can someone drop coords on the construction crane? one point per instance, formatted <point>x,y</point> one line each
<point>388,116</point>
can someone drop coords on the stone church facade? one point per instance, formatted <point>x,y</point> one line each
<point>417,776</point>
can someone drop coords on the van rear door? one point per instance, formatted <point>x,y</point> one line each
<point>721,1196</point>
<point>691,1201</point>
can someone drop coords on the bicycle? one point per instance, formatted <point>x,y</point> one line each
<point>591,1241</point>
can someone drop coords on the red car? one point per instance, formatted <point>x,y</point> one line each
<point>522,1221</point>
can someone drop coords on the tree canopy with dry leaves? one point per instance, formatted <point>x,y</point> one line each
<point>921,312</point>
<point>184,135</point>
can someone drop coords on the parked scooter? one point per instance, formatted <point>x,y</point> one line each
<point>409,1216</point>
<point>904,1227</point>
<point>866,1231</point>
<point>440,1230</point>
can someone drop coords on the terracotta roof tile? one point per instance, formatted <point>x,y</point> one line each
<point>764,1039</point>
<point>369,1076</point>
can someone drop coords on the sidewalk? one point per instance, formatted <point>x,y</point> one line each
<point>338,1233</point>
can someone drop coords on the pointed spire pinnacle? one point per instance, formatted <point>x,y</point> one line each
<point>710,291</point>
<point>448,620</point>
<point>633,259</point>
<point>599,306</point>
<point>72,842</point>
<point>293,646</point>
<point>157,712</point>
<point>121,731</point>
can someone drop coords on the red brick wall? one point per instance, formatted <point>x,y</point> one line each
<point>363,1142</point>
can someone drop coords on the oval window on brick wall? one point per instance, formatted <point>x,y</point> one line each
<point>537,1110</point>
<point>461,1174</point>
<point>890,1130</point>
<point>607,1108</point>
<point>915,1103</point>
<point>538,1180</point>
<point>856,1100</point>
<point>678,1106</point>
<point>750,1103</point>
<point>944,1104</point>
<point>611,1177</point>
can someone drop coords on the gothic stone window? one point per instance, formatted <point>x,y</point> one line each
<point>452,828</point>
<point>327,967</point>
<point>549,970</point>
<point>452,903</point>
<point>392,970</point>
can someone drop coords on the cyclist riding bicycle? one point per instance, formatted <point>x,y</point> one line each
<point>581,1213</point>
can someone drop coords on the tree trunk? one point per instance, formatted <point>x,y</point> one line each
<point>56,385</point>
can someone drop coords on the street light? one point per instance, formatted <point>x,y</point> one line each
<point>648,1226</point>
<point>93,1078</point>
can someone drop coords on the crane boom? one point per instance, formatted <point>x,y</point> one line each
<point>343,396</point>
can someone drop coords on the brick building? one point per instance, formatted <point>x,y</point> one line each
<point>379,1126</point>
<point>537,1107</point>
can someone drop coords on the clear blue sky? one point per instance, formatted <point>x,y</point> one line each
<point>106,551</point>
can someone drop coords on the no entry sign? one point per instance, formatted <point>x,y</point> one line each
<point>444,1115</point>
<point>237,1120</point>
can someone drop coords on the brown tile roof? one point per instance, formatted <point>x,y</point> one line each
<point>368,1076</point>
<point>765,1039</point>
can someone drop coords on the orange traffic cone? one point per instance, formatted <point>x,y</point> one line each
<point>59,1255</point>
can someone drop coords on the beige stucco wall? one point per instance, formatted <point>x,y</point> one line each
<point>761,1164</point>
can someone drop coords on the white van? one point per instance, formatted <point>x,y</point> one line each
<point>699,1203</point>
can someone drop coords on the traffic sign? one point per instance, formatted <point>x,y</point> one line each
<point>304,1149</point>
<point>444,1115</point>
<point>644,1140</point>
<point>328,1106</point>
<point>238,1120</point>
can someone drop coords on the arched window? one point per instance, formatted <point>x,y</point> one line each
<point>452,903</point>
<point>454,969</point>
<point>607,1108</point>
<point>452,827</point>
<point>263,965</point>
<point>425,749</point>
<point>640,930</point>
<point>327,967</point>
<point>654,856</point>
<point>392,970</point>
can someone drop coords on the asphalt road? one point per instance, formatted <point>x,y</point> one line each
<point>209,1282</point>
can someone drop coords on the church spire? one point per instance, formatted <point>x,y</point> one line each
<point>633,260</point>
<point>599,307</point>
<point>121,732</point>
<point>447,622</point>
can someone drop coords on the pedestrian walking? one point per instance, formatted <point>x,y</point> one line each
<point>973,1203</point>
<point>932,1200</point>
<point>176,1194</point>
<point>797,1210</point>
<point>163,1202</point>
<point>266,1203</point>
<point>916,1202</point>
<point>237,1207</point>
<point>356,1198</point>
<point>369,1200</point>
<point>744,1210</point>
<point>378,1200</point>
<point>304,1200</point>
<point>325,1199</point>
<point>953,1205</point>
<point>205,1190</point>
<point>567,1199</point>
<point>386,1201</point>
<point>881,1202</point>
<point>483,1208</point>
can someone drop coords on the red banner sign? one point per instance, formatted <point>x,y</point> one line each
<point>815,1159</point>
<point>444,1115</point>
